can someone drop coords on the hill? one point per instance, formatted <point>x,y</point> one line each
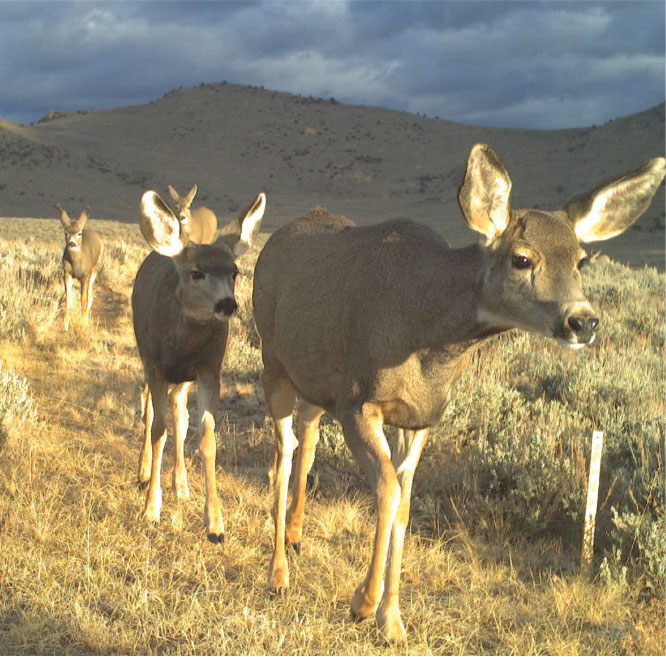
<point>368,163</point>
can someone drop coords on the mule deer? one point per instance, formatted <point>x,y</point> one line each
<point>182,301</point>
<point>200,223</point>
<point>374,324</point>
<point>80,259</point>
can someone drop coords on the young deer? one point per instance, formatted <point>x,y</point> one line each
<point>374,324</point>
<point>200,223</point>
<point>182,301</point>
<point>80,259</point>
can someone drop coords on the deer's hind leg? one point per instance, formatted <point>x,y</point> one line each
<point>308,437</point>
<point>280,397</point>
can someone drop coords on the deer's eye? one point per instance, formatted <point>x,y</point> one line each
<point>197,275</point>
<point>520,262</point>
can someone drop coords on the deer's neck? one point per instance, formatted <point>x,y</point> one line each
<point>451,298</point>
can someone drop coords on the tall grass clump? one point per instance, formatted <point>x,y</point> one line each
<point>31,289</point>
<point>17,404</point>
<point>522,416</point>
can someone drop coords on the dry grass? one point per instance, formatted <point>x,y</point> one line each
<point>80,572</point>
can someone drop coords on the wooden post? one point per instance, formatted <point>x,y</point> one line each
<point>591,507</point>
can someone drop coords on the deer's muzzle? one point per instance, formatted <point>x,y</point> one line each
<point>578,327</point>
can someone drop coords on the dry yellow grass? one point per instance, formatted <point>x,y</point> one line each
<point>81,573</point>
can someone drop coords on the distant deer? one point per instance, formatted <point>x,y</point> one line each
<point>80,259</point>
<point>182,301</point>
<point>200,223</point>
<point>374,324</point>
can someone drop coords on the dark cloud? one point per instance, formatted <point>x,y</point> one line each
<point>522,64</point>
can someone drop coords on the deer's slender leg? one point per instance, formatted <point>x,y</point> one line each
<point>209,396</point>
<point>158,434</point>
<point>308,437</point>
<point>85,290</point>
<point>68,298</point>
<point>178,394</point>
<point>405,456</point>
<point>364,434</point>
<point>280,397</point>
<point>146,455</point>
<point>89,293</point>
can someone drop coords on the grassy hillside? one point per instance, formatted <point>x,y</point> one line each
<point>491,558</point>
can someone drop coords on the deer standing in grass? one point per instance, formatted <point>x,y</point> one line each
<point>200,223</point>
<point>80,259</point>
<point>374,324</point>
<point>182,301</point>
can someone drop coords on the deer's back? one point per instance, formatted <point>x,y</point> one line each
<point>342,307</point>
<point>204,226</point>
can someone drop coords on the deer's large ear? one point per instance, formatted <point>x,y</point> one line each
<point>160,227</point>
<point>485,194</point>
<point>612,207</point>
<point>64,217</point>
<point>80,223</point>
<point>174,194</point>
<point>190,195</point>
<point>240,233</point>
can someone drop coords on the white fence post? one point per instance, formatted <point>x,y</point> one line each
<point>591,507</point>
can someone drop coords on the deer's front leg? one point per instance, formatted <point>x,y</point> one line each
<point>146,454</point>
<point>364,434</point>
<point>405,456</point>
<point>209,395</point>
<point>68,297</point>
<point>158,434</point>
<point>180,417</point>
<point>89,293</point>
<point>85,289</point>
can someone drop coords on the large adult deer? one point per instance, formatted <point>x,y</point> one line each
<point>80,260</point>
<point>182,301</point>
<point>374,324</point>
<point>200,223</point>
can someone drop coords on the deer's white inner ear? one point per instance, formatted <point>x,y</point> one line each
<point>159,226</point>
<point>251,221</point>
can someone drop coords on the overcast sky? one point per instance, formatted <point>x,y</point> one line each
<point>511,64</point>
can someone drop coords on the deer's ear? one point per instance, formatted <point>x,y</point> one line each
<point>240,233</point>
<point>612,207</point>
<point>174,194</point>
<point>64,217</point>
<point>485,194</point>
<point>191,194</point>
<point>79,224</point>
<point>160,227</point>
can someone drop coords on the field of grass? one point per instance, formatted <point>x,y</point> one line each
<point>491,555</point>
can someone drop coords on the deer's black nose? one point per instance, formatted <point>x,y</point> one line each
<point>583,326</point>
<point>227,306</point>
